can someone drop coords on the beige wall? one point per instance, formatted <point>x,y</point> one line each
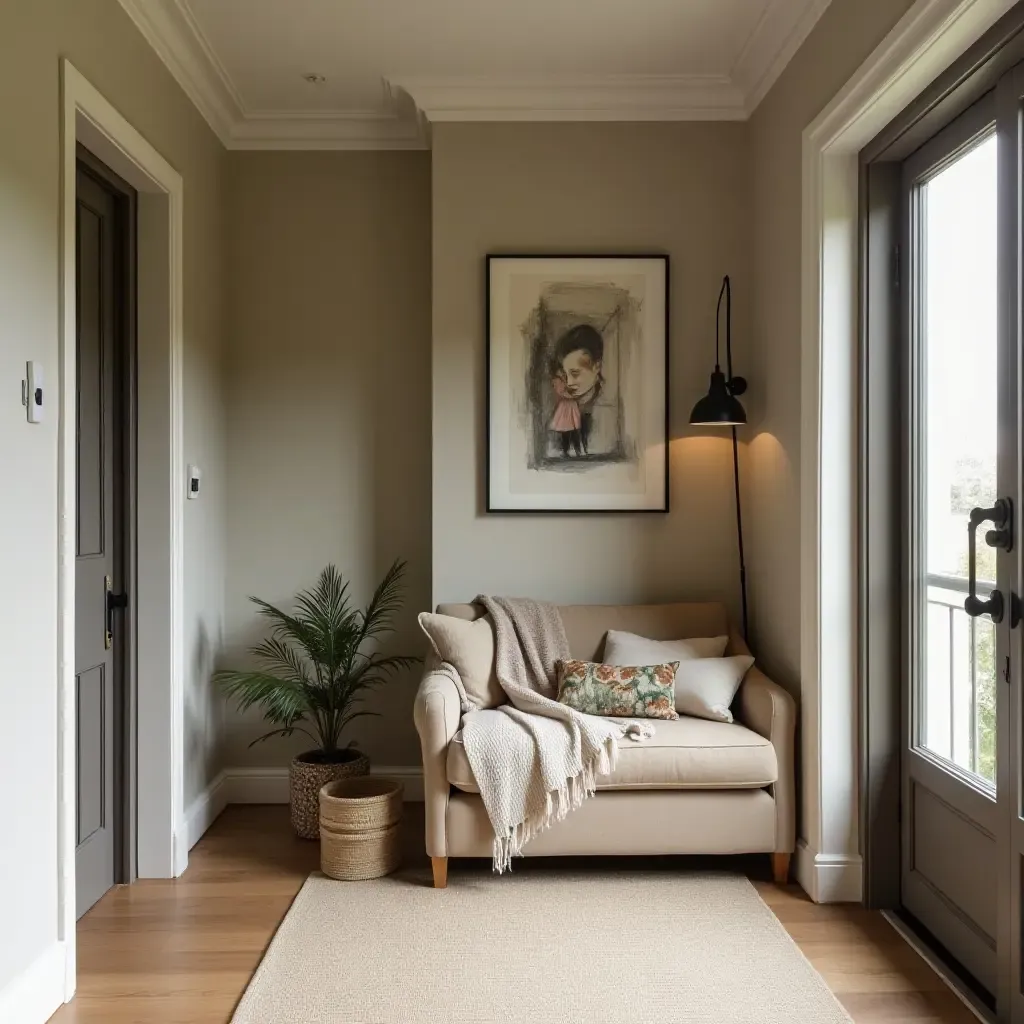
<point>844,37</point>
<point>328,401</point>
<point>680,189</point>
<point>99,38</point>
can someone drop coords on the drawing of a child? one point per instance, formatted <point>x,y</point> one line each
<point>577,383</point>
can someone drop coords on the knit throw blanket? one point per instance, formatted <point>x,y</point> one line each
<point>535,760</point>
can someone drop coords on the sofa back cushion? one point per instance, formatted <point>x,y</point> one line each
<point>586,624</point>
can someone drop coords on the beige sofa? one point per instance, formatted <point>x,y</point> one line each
<point>697,787</point>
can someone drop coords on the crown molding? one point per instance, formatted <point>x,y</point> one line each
<point>315,129</point>
<point>584,98</point>
<point>781,31</point>
<point>172,30</point>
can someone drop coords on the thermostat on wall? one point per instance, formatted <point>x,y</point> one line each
<point>32,391</point>
<point>195,477</point>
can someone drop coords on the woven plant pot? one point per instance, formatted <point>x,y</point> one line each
<point>360,824</point>
<point>307,775</point>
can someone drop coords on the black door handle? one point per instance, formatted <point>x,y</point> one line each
<point>112,601</point>
<point>1001,515</point>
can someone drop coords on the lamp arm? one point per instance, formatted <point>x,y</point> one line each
<point>725,290</point>
<point>736,385</point>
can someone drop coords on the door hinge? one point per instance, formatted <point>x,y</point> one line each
<point>896,267</point>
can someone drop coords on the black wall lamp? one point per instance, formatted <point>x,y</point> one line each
<point>721,407</point>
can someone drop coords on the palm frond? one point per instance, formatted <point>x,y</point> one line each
<point>352,715</point>
<point>284,659</point>
<point>282,701</point>
<point>292,628</point>
<point>284,732</point>
<point>325,609</point>
<point>386,600</point>
<point>392,663</point>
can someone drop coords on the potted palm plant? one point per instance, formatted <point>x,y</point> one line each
<point>314,673</point>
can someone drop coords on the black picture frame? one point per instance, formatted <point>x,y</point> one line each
<point>600,263</point>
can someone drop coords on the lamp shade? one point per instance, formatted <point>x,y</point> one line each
<point>718,408</point>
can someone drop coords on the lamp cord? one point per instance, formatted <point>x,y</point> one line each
<point>739,529</point>
<point>726,293</point>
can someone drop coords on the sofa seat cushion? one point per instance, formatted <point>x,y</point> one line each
<point>689,753</point>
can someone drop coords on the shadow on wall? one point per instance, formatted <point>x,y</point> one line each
<point>203,716</point>
<point>328,405</point>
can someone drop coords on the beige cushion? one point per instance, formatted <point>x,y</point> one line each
<point>629,649</point>
<point>706,687</point>
<point>469,648</point>
<point>690,753</point>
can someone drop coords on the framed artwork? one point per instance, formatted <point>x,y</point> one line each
<point>577,383</point>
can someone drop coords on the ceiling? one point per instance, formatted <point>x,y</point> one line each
<point>390,67</point>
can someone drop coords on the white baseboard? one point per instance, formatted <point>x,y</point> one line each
<point>205,809</point>
<point>35,995</point>
<point>270,786</point>
<point>829,877</point>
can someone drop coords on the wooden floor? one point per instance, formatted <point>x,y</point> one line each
<point>182,952</point>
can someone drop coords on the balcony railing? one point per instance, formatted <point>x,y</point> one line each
<point>956,714</point>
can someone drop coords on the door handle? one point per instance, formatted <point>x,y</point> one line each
<point>112,601</point>
<point>1001,516</point>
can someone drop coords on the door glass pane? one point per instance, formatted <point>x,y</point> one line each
<point>957,454</point>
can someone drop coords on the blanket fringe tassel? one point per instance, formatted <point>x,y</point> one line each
<point>557,805</point>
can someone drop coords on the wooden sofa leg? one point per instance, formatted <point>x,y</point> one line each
<point>440,867</point>
<point>780,868</point>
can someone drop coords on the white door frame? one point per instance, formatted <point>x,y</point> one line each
<point>162,847</point>
<point>931,35</point>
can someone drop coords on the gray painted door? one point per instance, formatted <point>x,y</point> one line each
<point>1010,993</point>
<point>96,667</point>
<point>963,832</point>
<point>951,801</point>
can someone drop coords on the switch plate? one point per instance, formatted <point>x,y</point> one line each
<point>32,391</point>
<point>195,479</point>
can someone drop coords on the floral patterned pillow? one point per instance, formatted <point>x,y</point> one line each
<point>618,691</point>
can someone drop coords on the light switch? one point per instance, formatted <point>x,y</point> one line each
<point>32,392</point>
<point>195,478</point>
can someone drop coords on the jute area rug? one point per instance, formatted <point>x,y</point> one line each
<point>551,947</point>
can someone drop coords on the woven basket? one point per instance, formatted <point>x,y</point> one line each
<point>360,823</point>
<point>306,779</point>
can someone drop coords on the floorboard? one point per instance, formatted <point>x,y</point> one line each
<point>182,952</point>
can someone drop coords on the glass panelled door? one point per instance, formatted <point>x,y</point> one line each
<point>961,485</point>
<point>1009,562</point>
<point>962,811</point>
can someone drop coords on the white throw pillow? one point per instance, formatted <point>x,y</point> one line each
<point>630,649</point>
<point>706,687</point>
<point>469,648</point>
<point>706,682</point>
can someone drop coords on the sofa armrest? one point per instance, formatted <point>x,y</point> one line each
<point>770,711</point>
<point>437,714</point>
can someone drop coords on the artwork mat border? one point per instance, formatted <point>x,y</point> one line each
<point>662,257</point>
